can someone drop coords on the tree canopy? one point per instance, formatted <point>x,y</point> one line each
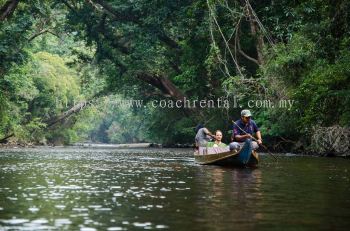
<point>152,50</point>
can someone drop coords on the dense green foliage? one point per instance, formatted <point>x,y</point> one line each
<point>69,51</point>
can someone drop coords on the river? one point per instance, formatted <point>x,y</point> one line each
<point>131,189</point>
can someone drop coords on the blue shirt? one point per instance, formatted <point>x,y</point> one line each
<point>249,128</point>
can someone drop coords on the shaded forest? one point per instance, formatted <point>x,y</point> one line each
<point>66,66</point>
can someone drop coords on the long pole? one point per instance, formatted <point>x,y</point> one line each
<point>256,140</point>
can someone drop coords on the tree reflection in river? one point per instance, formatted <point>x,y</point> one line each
<point>236,191</point>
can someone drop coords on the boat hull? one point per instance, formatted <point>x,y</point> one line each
<point>242,158</point>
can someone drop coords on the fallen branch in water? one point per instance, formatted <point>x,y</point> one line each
<point>333,140</point>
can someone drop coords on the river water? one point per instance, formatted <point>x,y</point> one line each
<point>134,189</point>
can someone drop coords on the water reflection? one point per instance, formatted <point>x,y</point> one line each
<point>83,189</point>
<point>230,195</point>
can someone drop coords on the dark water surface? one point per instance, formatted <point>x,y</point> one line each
<point>133,189</point>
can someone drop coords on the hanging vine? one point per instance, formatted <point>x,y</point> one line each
<point>228,53</point>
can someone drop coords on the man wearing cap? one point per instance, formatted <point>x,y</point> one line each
<point>243,129</point>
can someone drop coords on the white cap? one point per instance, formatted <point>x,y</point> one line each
<point>246,113</point>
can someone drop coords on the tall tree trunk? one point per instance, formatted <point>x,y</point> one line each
<point>162,83</point>
<point>168,89</point>
<point>63,116</point>
<point>75,109</point>
<point>254,29</point>
<point>7,9</point>
<point>57,119</point>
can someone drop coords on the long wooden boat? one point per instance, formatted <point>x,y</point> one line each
<point>245,157</point>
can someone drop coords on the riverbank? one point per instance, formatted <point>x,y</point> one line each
<point>154,145</point>
<point>85,145</point>
<point>132,145</point>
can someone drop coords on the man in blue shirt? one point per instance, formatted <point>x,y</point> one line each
<point>249,128</point>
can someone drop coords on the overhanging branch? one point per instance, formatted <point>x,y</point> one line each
<point>126,16</point>
<point>42,32</point>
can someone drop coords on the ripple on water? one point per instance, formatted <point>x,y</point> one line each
<point>80,209</point>
<point>87,183</point>
<point>87,229</point>
<point>62,221</point>
<point>114,228</point>
<point>95,206</point>
<point>118,194</point>
<point>162,226</point>
<point>142,224</point>
<point>34,209</point>
<point>60,206</point>
<point>68,187</point>
<point>39,221</point>
<point>103,209</point>
<point>15,221</point>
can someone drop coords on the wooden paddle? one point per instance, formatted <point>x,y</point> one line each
<point>256,140</point>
